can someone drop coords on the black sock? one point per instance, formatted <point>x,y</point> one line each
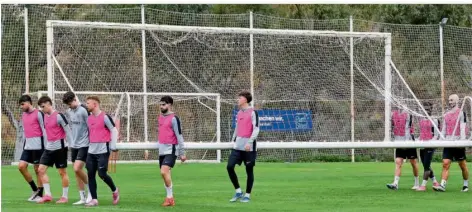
<point>41,190</point>
<point>33,185</point>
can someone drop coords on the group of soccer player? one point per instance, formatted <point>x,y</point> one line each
<point>454,127</point>
<point>91,135</point>
<point>89,132</point>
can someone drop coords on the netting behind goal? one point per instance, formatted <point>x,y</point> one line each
<point>301,80</point>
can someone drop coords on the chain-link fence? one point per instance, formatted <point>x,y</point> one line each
<point>416,53</point>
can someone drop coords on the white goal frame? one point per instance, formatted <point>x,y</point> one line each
<point>50,24</point>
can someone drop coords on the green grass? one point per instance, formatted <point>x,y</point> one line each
<point>278,187</point>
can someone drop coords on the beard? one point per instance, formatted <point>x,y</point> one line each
<point>164,110</point>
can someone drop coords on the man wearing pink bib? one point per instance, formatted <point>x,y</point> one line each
<point>428,132</point>
<point>33,132</point>
<point>171,145</point>
<point>454,128</point>
<point>403,130</point>
<point>103,136</point>
<point>244,150</point>
<point>57,130</point>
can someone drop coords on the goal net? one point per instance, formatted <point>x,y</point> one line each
<point>318,93</point>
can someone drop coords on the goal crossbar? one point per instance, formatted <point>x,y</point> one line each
<point>310,145</point>
<point>235,30</point>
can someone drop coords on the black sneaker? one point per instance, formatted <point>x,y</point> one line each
<point>465,189</point>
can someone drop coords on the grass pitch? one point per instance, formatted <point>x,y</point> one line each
<point>277,187</point>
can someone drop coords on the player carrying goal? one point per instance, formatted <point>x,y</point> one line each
<point>454,128</point>
<point>402,124</point>
<point>428,133</point>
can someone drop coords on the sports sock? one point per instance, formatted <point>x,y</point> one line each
<point>65,192</point>
<point>417,181</point>
<point>238,190</point>
<point>33,185</point>
<point>47,189</point>
<point>443,183</point>
<point>466,183</point>
<point>82,195</point>
<point>396,179</point>
<point>424,183</point>
<point>169,191</point>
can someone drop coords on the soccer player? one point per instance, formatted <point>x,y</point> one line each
<point>103,136</point>
<point>78,116</point>
<point>244,150</point>
<point>428,133</point>
<point>402,124</point>
<point>454,128</point>
<point>171,145</point>
<point>57,129</point>
<point>33,132</point>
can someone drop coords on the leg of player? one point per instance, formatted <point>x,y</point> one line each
<point>426,158</point>
<point>234,159</point>
<point>45,179</point>
<point>165,173</point>
<point>250,182</point>
<point>40,183</point>
<point>444,176</point>
<point>65,186</point>
<point>102,173</point>
<point>398,173</point>
<point>23,168</point>
<point>465,175</point>
<point>82,181</point>
<point>92,167</point>
<point>414,165</point>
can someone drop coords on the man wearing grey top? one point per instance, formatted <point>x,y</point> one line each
<point>78,115</point>
<point>171,145</point>
<point>57,129</point>
<point>34,135</point>
<point>103,136</point>
<point>244,149</point>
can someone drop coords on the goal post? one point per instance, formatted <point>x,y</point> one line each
<point>299,79</point>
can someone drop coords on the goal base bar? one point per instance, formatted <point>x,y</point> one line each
<point>308,145</point>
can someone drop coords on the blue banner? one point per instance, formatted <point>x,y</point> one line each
<point>282,120</point>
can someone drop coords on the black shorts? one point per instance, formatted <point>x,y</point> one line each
<point>406,153</point>
<point>79,154</point>
<point>57,158</point>
<point>455,154</point>
<point>239,156</point>
<point>31,156</point>
<point>97,162</point>
<point>168,160</point>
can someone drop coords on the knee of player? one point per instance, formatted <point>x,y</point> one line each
<point>446,165</point>
<point>77,169</point>
<point>164,170</point>
<point>230,166</point>
<point>22,167</point>
<point>41,170</point>
<point>63,172</point>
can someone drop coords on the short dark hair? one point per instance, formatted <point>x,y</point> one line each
<point>167,99</point>
<point>68,97</point>
<point>44,99</point>
<point>427,104</point>
<point>246,95</point>
<point>93,98</point>
<point>25,98</point>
